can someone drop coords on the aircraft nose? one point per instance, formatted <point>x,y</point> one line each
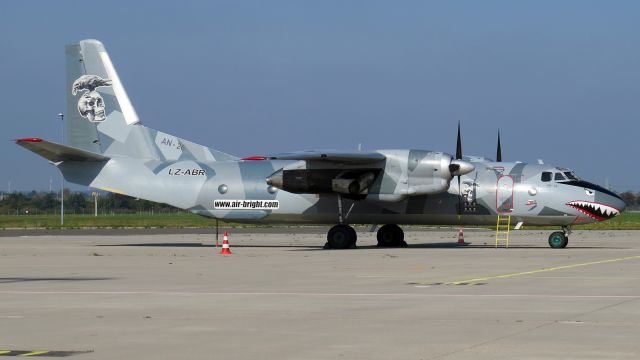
<point>611,200</point>
<point>618,203</point>
<point>600,204</point>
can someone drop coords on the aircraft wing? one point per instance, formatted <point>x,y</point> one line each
<point>331,156</point>
<point>56,152</point>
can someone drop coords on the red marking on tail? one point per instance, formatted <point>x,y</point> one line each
<point>255,158</point>
<point>31,139</point>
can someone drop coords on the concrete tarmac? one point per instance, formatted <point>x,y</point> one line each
<point>280,296</point>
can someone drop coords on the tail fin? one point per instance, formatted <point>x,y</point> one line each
<point>95,95</point>
<point>102,120</point>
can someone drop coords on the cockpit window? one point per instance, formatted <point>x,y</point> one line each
<point>559,177</point>
<point>546,176</point>
<point>571,175</point>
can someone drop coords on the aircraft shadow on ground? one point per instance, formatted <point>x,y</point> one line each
<point>195,245</point>
<point>447,245</point>
<point>8,280</point>
<point>456,246</point>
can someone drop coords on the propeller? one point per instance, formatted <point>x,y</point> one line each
<point>499,150</point>
<point>458,167</point>
<point>454,166</point>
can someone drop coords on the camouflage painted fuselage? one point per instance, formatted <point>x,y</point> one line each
<point>195,185</point>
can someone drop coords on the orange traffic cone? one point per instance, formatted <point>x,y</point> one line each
<point>461,237</point>
<point>226,250</point>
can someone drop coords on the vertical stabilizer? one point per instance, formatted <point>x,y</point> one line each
<point>95,96</point>
<point>102,120</point>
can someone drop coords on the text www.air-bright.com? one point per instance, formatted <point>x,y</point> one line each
<point>246,204</point>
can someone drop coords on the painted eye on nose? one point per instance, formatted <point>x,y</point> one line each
<point>590,192</point>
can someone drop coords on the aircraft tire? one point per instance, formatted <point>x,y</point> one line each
<point>341,237</point>
<point>391,235</point>
<point>558,240</point>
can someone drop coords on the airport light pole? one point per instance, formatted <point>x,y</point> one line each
<point>62,176</point>
<point>95,195</point>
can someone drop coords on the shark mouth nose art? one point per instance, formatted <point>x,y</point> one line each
<point>594,210</point>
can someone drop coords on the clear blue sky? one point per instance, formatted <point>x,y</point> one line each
<point>561,79</point>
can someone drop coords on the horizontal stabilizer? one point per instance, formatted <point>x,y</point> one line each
<point>56,152</point>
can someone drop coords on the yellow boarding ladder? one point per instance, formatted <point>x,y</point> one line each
<point>502,229</point>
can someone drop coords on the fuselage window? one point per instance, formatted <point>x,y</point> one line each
<point>559,177</point>
<point>546,176</point>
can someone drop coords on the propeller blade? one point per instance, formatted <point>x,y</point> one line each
<point>458,145</point>
<point>459,199</point>
<point>499,151</point>
<point>455,167</point>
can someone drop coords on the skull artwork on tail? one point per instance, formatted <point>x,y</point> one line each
<point>90,105</point>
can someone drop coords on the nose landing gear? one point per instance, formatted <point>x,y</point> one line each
<point>560,239</point>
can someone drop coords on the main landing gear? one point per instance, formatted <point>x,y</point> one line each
<point>391,235</point>
<point>344,237</point>
<point>341,237</point>
<point>560,239</point>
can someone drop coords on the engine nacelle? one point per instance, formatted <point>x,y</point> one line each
<point>431,172</point>
<point>404,173</point>
<point>318,181</point>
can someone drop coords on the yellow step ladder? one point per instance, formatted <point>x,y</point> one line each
<point>502,229</point>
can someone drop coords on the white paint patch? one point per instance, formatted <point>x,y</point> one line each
<point>128,111</point>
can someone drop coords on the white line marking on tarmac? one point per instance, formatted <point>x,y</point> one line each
<point>182,293</point>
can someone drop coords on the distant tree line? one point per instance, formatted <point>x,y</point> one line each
<point>45,203</point>
<point>632,199</point>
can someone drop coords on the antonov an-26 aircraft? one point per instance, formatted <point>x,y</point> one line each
<point>108,148</point>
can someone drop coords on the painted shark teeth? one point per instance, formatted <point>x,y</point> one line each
<point>594,210</point>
